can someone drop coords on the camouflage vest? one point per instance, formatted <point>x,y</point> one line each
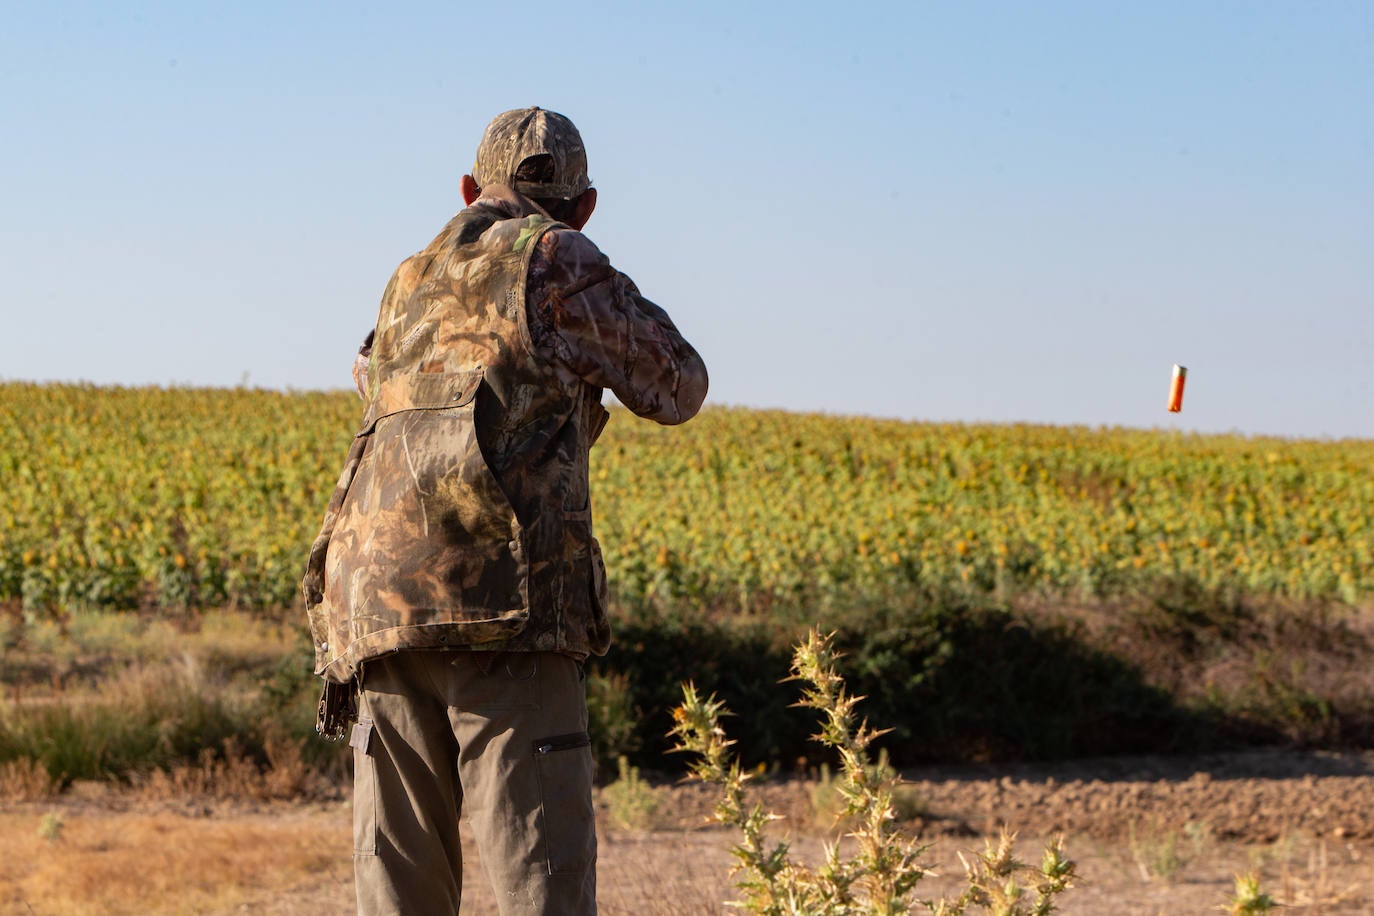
<point>462,518</point>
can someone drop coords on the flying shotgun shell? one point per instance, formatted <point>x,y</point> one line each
<point>1176,388</point>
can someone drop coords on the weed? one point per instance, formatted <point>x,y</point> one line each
<point>827,805</point>
<point>633,803</point>
<point>997,881</point>
<point>1249,897</point>
<point>25,780</point>
<point>1312,885</point>
<point>881,876</point>
<point>50,827</point>
<point>1200,837</point>
<point>907,803</point>
<point>1156,854</point>
<point>1161,853</point>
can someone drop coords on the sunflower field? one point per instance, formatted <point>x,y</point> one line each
<point>168,499</point>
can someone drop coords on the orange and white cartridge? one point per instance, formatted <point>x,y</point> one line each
<point>1176,388</point>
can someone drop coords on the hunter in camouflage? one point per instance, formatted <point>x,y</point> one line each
<point>462,520</point>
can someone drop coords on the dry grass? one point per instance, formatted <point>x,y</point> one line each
<point>85,645</point>
<point>1310,874</point>
<point>233,776</point>
<point>139,717</point>
<point>116,697</point>
<point>25,780</point>
<point>103,863</point>
<point>293,860</point>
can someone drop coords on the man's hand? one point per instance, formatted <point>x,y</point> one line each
<point>360,363</point>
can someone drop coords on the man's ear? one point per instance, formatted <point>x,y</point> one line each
<point>582,208</point>
<point>470,190</point>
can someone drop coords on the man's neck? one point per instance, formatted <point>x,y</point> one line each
<point>508,201</point>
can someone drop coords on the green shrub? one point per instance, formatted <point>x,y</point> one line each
<point>632,803</point>
<point>958,677</point>
<point>613,718</point>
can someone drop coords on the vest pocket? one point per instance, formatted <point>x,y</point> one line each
<point>421,391</point>
<point>430,536</point>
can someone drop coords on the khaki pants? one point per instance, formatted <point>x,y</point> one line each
<point>501,737</point>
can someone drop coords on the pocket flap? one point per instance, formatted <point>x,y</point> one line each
<point>421,391</point>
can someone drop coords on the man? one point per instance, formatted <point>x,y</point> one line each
<point>456,588</point>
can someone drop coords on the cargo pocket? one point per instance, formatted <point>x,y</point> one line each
<point>364,789</point>
<point>564,765</point>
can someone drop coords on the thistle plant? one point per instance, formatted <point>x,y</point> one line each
<point>881,876</point>
<point>1000,884</point>
<point>883,872</point>
<point>767,876</point>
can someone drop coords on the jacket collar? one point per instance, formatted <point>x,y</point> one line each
<point>507,201</point>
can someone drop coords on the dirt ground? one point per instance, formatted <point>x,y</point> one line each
<point>1151,835</point>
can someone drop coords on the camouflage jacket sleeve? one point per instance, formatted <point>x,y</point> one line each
<point>590,321</point>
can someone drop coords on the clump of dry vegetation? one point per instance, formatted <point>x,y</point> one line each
<point>231,775</point>
<point>25,780</point>
<point>881,873</point>
<point>220,705</point>
<point>632,803</point>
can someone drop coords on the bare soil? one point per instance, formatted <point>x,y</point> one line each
<point>1151,835</point>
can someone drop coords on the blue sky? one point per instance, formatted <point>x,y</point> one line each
<point>961,211</point>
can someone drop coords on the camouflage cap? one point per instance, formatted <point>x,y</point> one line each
<point>514,136</point>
